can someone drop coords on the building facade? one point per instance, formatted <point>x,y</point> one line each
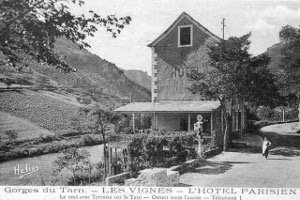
<point>181,49</point>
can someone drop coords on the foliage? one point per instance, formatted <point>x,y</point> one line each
<point>12,135</point>
<point>290,61</point>
<point>99,121</point>
<point>42,81</point>
<point>236,74</point>
<point>270,114</point>
<point>159,151</point>
<point>128,130</point>
<point>30,28</point>
<point>88,140</point>
<point>137,152</point>
<point>146,121</point>
<point>75,124</point>
<point>75,161</point>
<point>142,122</point>
<point>43,145</point>
<point>235,77</point>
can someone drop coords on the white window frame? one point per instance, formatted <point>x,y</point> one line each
<point>191,32</point>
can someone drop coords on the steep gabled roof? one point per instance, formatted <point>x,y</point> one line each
<point>174,24</point>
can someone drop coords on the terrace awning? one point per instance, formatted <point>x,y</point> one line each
<point>169,107</point>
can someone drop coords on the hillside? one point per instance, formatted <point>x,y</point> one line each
<point>140,77</point>
<point>48,98</point>
<point>24,128</point>
<point>94,76</point>
<point>43,111</point>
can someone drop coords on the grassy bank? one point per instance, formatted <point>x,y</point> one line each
<point>45,144</point>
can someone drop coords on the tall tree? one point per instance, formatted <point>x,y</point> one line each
<point>290,62</point>
<point>235,76</point>
<point>28,28</point>
<point>100,121</point>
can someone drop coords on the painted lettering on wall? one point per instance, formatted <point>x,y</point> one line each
<point>183,70</point>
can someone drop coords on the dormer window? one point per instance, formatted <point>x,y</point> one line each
<point>185,36</point>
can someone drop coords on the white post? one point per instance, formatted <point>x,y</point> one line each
<point>199,146</point>
<point>283,114</point>
<point>133,121</point>
<point>189,122</point>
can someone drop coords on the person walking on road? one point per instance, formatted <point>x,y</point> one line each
<point>265,147</point>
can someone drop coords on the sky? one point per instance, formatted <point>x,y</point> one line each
<point>150,18</point>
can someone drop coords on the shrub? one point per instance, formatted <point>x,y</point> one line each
<point>88,140</point>
<point>128,130</point>
<point>178,150</point>
<point>44,139</point>
<point>94,173</point>
<point>70,90</point>
<point>264,113</point>
<point>74,160</point>
<point>159,151</point>
<point>12,135</point>
<point>75,124</point>
<point>136,150</point>
<point>98,172</point>
<point>5,146</point>
<point>42,81</point>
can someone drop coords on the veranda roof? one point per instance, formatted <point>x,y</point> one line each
<point>170,106</point>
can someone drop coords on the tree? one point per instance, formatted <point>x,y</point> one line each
<point>235,76</point>
<point>42,81</point>
<point>74,160</point>
<point>28,28</point>
<point>290,62</point>
<point>75,124</point>
<point>100,121</point>
<point>12,135</point>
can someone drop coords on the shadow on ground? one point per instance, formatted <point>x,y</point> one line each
<point>285,151</point>
<point>252,150</point>
<point>278,159</point>
<point>213,168</point>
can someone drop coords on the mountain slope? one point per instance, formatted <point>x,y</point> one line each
<point>140,77</point>
<point>94,75</point>
<point>24,128</point>
<point>43,111</point>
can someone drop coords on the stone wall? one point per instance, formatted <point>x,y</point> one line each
<point>116,178</point>
<point>156,177</point>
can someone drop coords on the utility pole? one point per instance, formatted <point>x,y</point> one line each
<point>223,26</point>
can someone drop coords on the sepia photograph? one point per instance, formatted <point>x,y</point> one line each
<point>150,95</point>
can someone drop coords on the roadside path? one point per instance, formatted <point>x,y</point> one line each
<point>243,169</point>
